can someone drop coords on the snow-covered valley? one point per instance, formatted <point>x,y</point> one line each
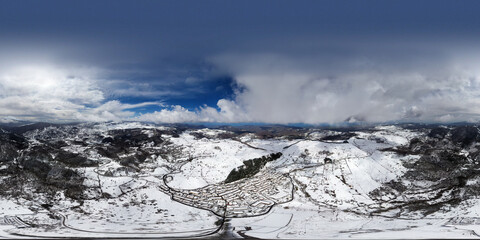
<point>125,180</point>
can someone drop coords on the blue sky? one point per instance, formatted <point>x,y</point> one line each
<point>240,61</point>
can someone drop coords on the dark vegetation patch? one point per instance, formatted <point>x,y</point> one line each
<point>126,138</point>
<point>74,159</point>
<point>37,176</point>
<point>46,168</point>
<point>439,132</point>
<point>438,166</point>
<point>443,169</point>
<point>327,160</point>
<point>339,137</point>
<point>39,153</point>
<point>465,135</point>
<point>219,135</point>
<point>135,159</point>
<point>38,168</point>
<point>10,145</point>
<point>108,151</point>
<point>251,167</point>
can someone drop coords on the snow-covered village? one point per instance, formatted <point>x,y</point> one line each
<point>119,179</point>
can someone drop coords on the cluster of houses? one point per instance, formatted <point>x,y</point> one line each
<point>244,198</point>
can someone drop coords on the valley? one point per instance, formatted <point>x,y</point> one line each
<point>118,180</point>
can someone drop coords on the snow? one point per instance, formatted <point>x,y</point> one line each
<point>144,211</point>
<point>308,222</point>
<point>212,160</point>
<point>331,199</point>
<point>9,207</point>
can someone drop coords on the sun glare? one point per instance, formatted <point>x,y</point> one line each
<point>38,78</point>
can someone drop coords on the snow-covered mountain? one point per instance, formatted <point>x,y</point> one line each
<point>144,180</point>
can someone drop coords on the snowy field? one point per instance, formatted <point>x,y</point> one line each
<point>330,199</point>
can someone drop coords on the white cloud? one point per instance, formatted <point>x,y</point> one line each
<point>277,89</point>
<point>174,115</point>
<point>43,82</point>
<point>49,93</point>
<point>228,112</point>
<point>280,89</point>
<point>273,89</point>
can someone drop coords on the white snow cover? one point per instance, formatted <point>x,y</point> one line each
<point>330,199</point>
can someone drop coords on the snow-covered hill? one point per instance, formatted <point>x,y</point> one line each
<point>136,179</point>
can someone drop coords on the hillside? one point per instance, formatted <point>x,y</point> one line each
<point>119,179</point>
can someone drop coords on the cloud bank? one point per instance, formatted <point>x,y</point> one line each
<point>215,61</point>
<point>275,88</point>
<point>49,93</point>
<point>270,88</point>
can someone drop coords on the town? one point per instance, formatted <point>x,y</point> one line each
<point>243,198</point>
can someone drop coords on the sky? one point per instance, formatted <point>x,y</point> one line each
<point>281,62</point>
